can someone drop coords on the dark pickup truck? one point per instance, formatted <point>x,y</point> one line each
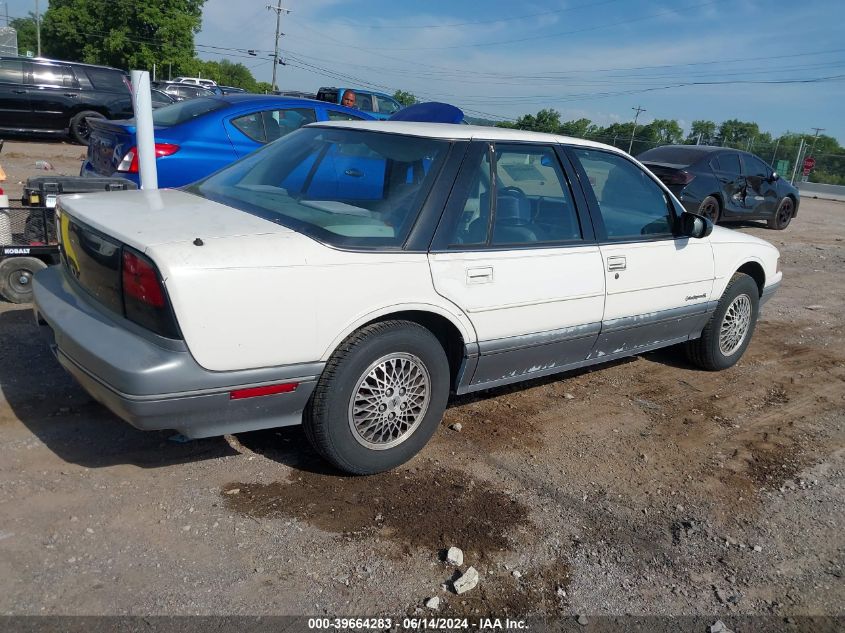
<point>42,96</point>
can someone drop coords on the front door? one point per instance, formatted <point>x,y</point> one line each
<point>516,255</point>
<point>761,197</point>
<point>658,285</point>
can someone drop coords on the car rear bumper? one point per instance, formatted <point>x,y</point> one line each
<point>89,171</point>
<point>155,383</point>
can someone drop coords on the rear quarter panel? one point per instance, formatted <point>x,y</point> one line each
<point>269,300</point>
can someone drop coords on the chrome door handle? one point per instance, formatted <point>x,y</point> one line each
<point>480,275</point>
<point>354,173</point>
<point>616,263</point>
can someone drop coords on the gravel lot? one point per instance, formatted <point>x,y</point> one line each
<point>643,487</point>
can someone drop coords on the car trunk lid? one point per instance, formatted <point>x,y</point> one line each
<point>147,218</point>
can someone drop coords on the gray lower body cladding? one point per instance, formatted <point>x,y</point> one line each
<point>155,383</point>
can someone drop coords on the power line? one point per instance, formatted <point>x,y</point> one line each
<point>509,19</point>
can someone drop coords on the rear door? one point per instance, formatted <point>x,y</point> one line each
<point>516,252</point>
<point>658,285</point>
<point>15,111</point>
<point>54,95</point>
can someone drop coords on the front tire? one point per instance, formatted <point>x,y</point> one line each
<point>710,209</point>
<point>728,332</point>
<point>783,215</point>
<point>16,277</point>
<point>380,398</point>
<point>80,131</point>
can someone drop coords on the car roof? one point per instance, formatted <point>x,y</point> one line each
<point>467,132</point>
<point>59,61</point>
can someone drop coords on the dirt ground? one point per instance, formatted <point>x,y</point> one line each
<point>642,487</point>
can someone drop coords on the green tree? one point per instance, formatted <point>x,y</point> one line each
<point>579,128</point>
<point>663,131</point>
<point>123,33</point>
<point>27,37</point>
<point>706,130</point>
<point>547,120</point>
<point>736,133</point>
<point>405,98</point>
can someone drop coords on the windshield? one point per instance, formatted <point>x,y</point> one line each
<point>345,187</point>
<point>184,111</point>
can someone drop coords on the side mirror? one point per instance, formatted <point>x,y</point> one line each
<point>774,176</point>
<point>695,226</point>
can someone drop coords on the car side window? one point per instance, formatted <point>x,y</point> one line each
<point>279,123</point>
<point>528,203</point>
<point>729,163</point>
<point>53,75</point>
<point>756,167</point>
<point>472,226</point>
<point>631,204</point>
<point>334,115</point>
<point>252,126</point>
<point>386,106</point>
<point>364,102</point>
<point>11,71</point>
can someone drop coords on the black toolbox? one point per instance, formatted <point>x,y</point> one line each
<point>28,240</point>
<point>42,191</point>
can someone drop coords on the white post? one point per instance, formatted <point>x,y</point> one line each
<point>144,132</point>
<point>797,158</point>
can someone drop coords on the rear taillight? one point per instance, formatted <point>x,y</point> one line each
<point>144,300</point>
<point>140,280</point>
<point>677,178</point>
<point>129,163</point>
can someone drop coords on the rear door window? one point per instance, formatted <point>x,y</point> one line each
<point>268,125</point>
<point>728,163</point>
<point>53,75</point>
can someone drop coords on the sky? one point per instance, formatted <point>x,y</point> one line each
<point>684,60</point>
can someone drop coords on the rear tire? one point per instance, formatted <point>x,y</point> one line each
<point>783,214</point>
<point>380,398</point>
<point>728,332</point>
<point>16,277</point>
<point>80,131</point>
<point>710,209</point>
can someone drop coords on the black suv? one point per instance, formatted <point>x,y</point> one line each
<point>42,96</point>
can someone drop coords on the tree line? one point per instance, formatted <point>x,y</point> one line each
<point>744,135</point>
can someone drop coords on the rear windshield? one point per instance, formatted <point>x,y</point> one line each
<point>673,155</point>
<point>184,111</point>
<point>351,188</point>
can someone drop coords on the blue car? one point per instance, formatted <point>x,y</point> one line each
<point>196,137</point>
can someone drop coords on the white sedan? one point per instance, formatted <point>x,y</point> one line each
<point>351,275</point>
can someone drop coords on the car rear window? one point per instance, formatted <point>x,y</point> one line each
<point>352,188</point>
<point>105,79</point>
<point>672,154</point>
<point>184,111</point>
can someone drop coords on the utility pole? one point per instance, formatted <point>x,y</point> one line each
<point>633,131</point>
<point>817,129</point>
<point>278,9</point>
<point>38,27</point>
<point>775,155</point>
